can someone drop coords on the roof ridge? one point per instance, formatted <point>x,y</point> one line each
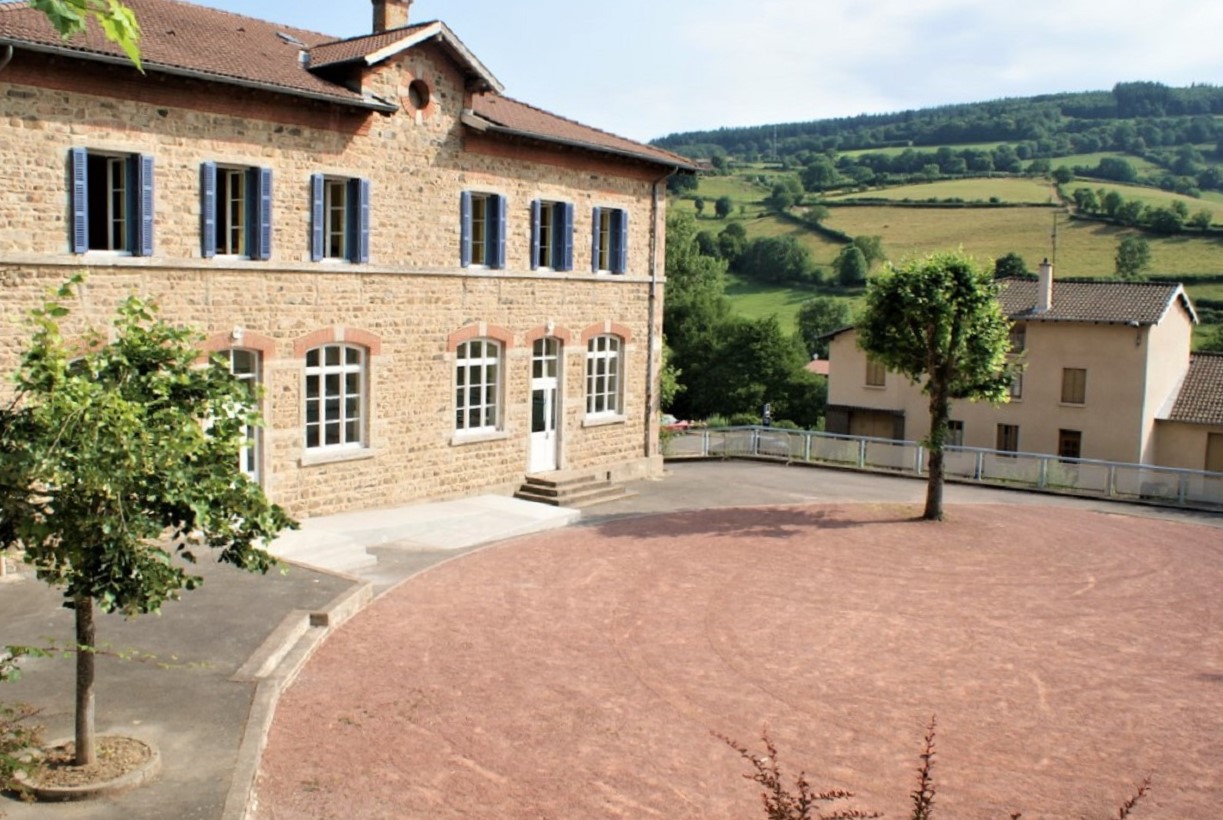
<point>405,29</point>
<point>261,20</point>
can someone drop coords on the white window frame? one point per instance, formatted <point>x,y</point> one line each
<point>474,361</point>
<point>250,372</point>
<point>605,376</point>
<point>232,214</point>
<point>350,426</point>
<point>335,218</point>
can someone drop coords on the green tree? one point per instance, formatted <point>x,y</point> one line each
<point>1085,200</point>
<point>815,214</point>
<point>1133,257</point>
<point>819,175</point>
<point>732,241</point>
<point>1110,201</point>
<point>818,317</point>
<point>698,202</point>
<point>118,22</point>
<point>1062,175</point>
<point>872,249</point>
<point>775,259</point>
<point>781,199</point>
<point>119,465</point>
<point>851,267</point>
<point>1164,220</point>
<point>1202,220</point>
<point>938,321</point>
<point>723,207</point>
<point>1213,342</point>
<point>1011,264</point>
<point>1130,211</point>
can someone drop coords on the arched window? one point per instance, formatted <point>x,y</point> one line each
<point>604,376</point>
<point>336,398</point>
<point>477,386</point>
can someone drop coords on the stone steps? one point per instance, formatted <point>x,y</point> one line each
<point>570,489</point>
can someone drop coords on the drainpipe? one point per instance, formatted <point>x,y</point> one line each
<point>7,58</point>
<point>652,359</point>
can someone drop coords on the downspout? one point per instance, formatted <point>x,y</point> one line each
<point>655,321</point>
<point>7,58</point>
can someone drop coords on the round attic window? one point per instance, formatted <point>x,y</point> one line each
<point>418,95</point>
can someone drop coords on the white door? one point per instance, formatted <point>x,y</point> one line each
<point>545,405</point>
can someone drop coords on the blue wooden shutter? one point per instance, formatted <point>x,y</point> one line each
<point>208,209</point>
<point>502,223</point>
<point>316,217</point>
<point>263,204</point>
<point>594,239</point>
<point>144,222</point>
<point>620,261</point>
<point>465,229</point>
<point>359,193</point>
<point>565,240</point>
<point>80,199</point>
<point>535,254</point>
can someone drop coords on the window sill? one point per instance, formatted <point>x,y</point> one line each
<point>1072,404</point>
<point>875,386</point>
<point>312,458</point>
<point>459,439</point>
<point>603,421</point>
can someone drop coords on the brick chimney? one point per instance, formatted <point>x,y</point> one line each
<point>1044,287</point>
<point>389,14</point>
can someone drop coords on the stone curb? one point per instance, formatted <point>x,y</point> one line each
<point>123,783</point>
<point>275,665</point>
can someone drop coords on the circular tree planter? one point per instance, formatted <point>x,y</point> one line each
<point>123,763</point>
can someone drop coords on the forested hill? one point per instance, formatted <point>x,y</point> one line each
<point>1132,117</point>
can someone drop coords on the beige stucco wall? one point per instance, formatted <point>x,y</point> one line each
<point>1167,346</point>
<point>1116,420</point>
<point>410,298</point>
<point>1184,445</point>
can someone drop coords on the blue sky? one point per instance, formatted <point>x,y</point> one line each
<point>645,68</point>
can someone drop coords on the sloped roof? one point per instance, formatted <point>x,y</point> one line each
<point>188,40</point>
<point>1104,302</point>
<point>1200,400</point>
<point>500,114</point>
<point>374,48</point>
<point>185,39</point>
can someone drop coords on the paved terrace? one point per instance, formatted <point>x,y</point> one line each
<point>1069,647</point>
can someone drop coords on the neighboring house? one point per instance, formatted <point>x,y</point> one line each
<point>440,289</point>
<point>1107,374</point>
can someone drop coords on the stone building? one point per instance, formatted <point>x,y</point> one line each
<point>440,289</point>
<point>1107,374</point>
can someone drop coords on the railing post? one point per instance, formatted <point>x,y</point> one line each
<point>1112,480</point>
<point>755,441</point>
<point>807,446</point>
<point>1182,490</point>
<point>705,442</point>
<point>1044,473</point>
<point>861,453</point>
<point>917,463</point>
<point>980,471</point>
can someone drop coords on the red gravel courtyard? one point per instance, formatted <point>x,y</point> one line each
<point>579,673</point>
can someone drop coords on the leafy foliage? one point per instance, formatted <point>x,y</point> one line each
<point>937,321</point>
<point>819,316</point>
<point>118,22</point>
<point>1133,257</point>
<point>120,462</point>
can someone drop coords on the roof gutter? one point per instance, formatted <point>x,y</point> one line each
<point>473,120</point>
<point>114,59</point>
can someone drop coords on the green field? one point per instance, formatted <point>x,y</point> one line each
<point>756,301</point>
<point>897,150</point>
<point>1142,166</point>
<point>1006,189</point>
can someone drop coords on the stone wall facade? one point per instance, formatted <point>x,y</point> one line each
<point>401,307</point>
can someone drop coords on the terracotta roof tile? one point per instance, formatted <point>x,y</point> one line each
<point>358,48</point>
<point>181,37</point>
<point>1107,302</point>
<point>1200,399</point>
<point>520,118</point>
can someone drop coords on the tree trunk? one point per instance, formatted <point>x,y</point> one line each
<point>84,680</point>
<point>939,411</point>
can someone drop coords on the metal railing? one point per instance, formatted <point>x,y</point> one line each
<point>1075,476</point>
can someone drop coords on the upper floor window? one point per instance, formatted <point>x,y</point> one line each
<point>604,368</point>
<point>955,433</point>
<point>551,235</point>
<point>1074,385</point>
<point>609,243</point>
<point>336,397</point>
<point>1016,388</point>
<point>876,373</point>
<point>339,223</point>
<point>111,202</point>
<point>1019,338</point>
<point>482,233</point>
<point>235,211</point>
<point>477,386</point>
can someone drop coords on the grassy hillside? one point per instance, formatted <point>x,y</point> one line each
<point>1019,190</point>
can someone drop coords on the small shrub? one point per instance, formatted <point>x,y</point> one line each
<point>18,735</point>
